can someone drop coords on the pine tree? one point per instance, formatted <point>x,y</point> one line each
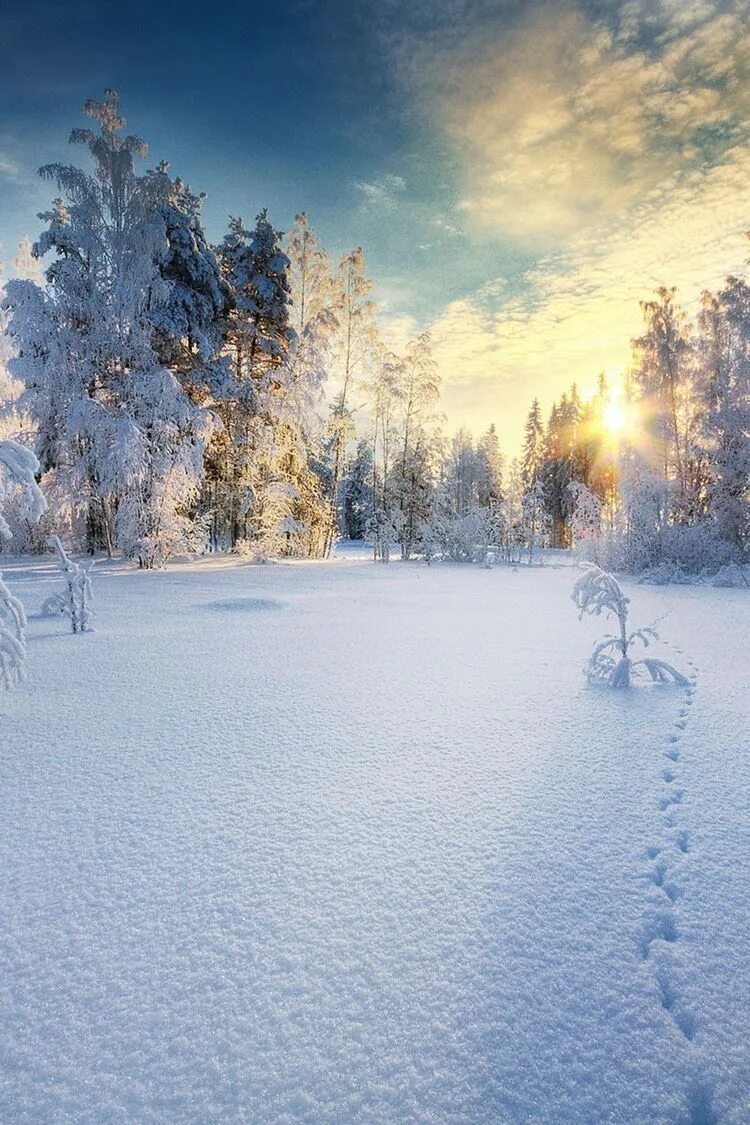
<point>533,446</point>
<point>490,467</point>
<point>358,493</point>
<point>189,327</point>
<point>532,464</point>
<point>253,496</point>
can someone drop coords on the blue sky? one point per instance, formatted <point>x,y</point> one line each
<point>519,174</point>
<point>297,106</point>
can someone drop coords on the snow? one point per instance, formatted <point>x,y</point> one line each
<point>342,842</point>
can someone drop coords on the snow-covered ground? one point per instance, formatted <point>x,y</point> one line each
<point>341,843</point>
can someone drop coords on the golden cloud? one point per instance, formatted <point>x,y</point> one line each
<point>563,120</point>
<point>621,143</point>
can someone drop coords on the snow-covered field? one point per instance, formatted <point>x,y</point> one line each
<point>341,843</point>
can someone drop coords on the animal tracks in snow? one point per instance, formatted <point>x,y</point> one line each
<point>661,939</point>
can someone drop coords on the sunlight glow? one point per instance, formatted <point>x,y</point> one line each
<point>615,417</point>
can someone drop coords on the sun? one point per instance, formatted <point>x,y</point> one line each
<point>614,417</point>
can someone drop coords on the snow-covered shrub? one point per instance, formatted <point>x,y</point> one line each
<point>696,547</point>
<point>457,538</point>
<point>666,573</point>
<point>75,600</point>
<point>733,576</point>
<point>12,637</point>
<point>18,469</point>
<point>598,592</point>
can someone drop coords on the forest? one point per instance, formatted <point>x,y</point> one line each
<point>183,398</point>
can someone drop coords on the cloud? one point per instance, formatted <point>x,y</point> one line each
<point>382,193</point>
<point>562,120</point>
<point>9,170</point>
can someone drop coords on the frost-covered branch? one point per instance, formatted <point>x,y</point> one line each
<point>75,601</point>
<point>18,468</point>
<point>12,637</point>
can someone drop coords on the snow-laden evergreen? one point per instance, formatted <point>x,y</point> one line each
<point>115,429</point>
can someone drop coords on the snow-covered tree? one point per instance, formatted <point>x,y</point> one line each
<point>190,324</point>
<point>315,304</point>
<point>510,516</point>
<point>355,348</point>
<point>114,425</point>
<point>385,389</point>
<point>535,521</point>
<point>252,491</point>
<point>533,446</point>
<point>490,468</point>
<point>18,472</point>
<point>662,371</point>
<point>419,393</point>
<point>724,387</point>
<point>358,492</point>
<point>586,520</point>
<point>12,422</point>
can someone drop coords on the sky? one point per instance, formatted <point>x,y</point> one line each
<point>519,174</point>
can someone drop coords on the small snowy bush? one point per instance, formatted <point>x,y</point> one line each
<point>18,469</point>
<point>733,576</point>
<point>598,592</point>
<point>666,573</point>
<point>75,601</point>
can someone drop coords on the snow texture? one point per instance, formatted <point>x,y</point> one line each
<point>379,855</point>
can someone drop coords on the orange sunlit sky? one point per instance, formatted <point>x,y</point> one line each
<point>519,174</point>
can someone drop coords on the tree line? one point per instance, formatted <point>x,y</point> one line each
<point>183,396</point>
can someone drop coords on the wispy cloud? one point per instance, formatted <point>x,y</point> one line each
<point>9,169</point>
<point>382,193</point>
<point>564,120</point>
